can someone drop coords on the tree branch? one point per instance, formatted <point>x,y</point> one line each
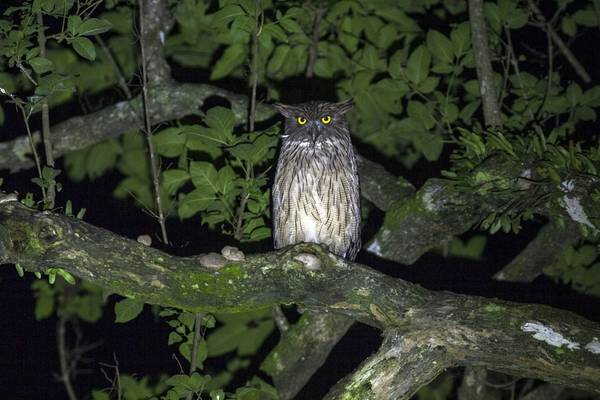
<point>553,345</point>
<point>541,252</point>
<point>402,365</point>
<point>167,102</point>
<point>483,64</point>
<point>302,350</point>
<point>564,49</point>
<point>158,22</point>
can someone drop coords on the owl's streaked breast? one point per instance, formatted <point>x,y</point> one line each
<point>316,196</point>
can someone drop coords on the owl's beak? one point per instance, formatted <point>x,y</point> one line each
<point>315,131</point>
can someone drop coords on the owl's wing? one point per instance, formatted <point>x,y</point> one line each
<point>355,241</point>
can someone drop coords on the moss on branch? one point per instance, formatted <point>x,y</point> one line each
<point>519,339</point>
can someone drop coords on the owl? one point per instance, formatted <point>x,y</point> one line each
<point>316,188</point>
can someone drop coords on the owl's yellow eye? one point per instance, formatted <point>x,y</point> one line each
<point>326,119</point>
<point>301,121</point>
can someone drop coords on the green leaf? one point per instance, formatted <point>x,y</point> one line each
<point>418,65</point>
<point>396,64</point>
<point>204,175</point>
<point>101,158</point>
<point>591,97</point>
<point>174,337</point>
<point>93,26</point>
<point>440,46</point>
<point>471,249</point>
<point>574,93</point>
<point>225,339</point>
<point>587,17</point>
<point>290,25</point>
<point>41,65</point>
<point>84,47</point>
<point>173,179</point>
<point>169,142</point>
<point>127,309</point>
<point>73,23</point>
<point>421,113</point>
<point>224,16</point>
<point>429,84</point>
<point>195,201</point>
<point>461,38</point>
<point>233,57</point>
<point>279,57</point>
<point>220,118</point>
<point>430,145</point>
<point>251,342</point>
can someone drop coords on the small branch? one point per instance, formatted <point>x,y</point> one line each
<point>238,233</point>
<point>280,320</point>
<point>120,78</point>
<point>51,194</point>
<point>402,365</point>
<point>148,129</point>
<point>541,252</point>
<point>196,343</point>
<point>483,64</point>
<point>564,49</point>
<point>515,64</point>
<point>63,357</point>
<point>30,142</point>
<point>303,349</point>
<point>316,34</point>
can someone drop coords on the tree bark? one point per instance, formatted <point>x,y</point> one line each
<point>483,64</point>
<point>553,345</point>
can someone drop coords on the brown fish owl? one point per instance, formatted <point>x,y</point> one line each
<point>316,190</point>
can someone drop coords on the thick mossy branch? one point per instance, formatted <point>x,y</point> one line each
<point>519,339</point>
<point>435,214</point>
<point>303,349</point>
<point>402,365</point>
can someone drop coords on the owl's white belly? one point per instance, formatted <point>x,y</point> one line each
<point>312,222</point>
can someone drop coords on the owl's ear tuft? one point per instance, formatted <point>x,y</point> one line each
<point>284,109</point>
<point>344,106</point>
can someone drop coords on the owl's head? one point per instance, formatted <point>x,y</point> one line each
<point>314,120</point>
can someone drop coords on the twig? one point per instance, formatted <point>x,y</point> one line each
<point>116,382</point>
<point>280,320</point>
<point>26,73</point>
<point>515,64</point>
<point>483,64</point>
<point>564,49</point>
<point>51,194</point>
<point>194,355</point>
<point>65,372</point>
<point>148,131</point>
<point>25,116</point>
<point>120,78</point>
<point>312,55</point>
<point>238,233</point>
<point>550,71</point>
